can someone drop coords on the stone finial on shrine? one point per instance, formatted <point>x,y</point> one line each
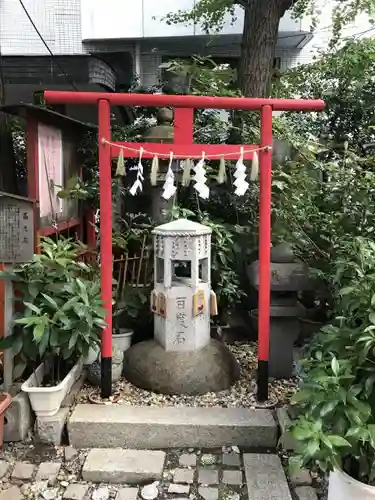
<point>161,133</point>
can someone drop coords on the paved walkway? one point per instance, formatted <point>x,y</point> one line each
<point>64,473</point>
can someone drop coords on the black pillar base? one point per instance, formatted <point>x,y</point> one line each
<point>262,382</point>
<point>106,378</point>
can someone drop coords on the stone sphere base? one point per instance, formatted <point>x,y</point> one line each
<point>211,369</point>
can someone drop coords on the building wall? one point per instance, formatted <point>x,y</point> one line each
<point>150,62</point>
<point>59,22</point>
<point>146,19</point>
<point>65,23</point>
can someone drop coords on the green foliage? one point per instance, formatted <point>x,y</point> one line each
<point>343,78</point>
<point>210,13</point>
<point>336,398</point>
<point>202,74</point>
<point>62,311</point>
<point>130,307</point>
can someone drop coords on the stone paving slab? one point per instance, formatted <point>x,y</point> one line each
<point>209,493</point>
<point>118,474</point>
<point>208,477</point>
<point>76,492</point>
<point>48,471</point>
<point>123,466</point>
<point>265,477</point>
<point>184,476</point>
<point>23,471</point>
<point>307,493</point>
<point>4,467</point>
<point>127,494</point>
<point>12,493</point>
<point>188,460</point>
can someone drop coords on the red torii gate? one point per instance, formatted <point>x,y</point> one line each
<point>184,147</point>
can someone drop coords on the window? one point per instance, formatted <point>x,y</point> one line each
<point>181,269</point>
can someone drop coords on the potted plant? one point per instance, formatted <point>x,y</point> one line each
<point>126,311</point>
<point>60,321</point>
<point>335,424</point>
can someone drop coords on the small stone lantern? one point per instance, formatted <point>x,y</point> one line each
<point>288,277</point>
<point>182,358</point>
<point>182,297</point>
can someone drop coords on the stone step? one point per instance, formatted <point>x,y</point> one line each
<point>265,477</point>
<point>120,426</point>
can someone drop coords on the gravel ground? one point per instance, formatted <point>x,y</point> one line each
<point>241,394</point>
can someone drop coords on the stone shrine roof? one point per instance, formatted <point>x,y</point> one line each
<point>181,227</point>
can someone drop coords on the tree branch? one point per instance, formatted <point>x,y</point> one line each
<point>244,3</point>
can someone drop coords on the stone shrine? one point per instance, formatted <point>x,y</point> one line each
<point>182,358</point>
<point>182,298</point>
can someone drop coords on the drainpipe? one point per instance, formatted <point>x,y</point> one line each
<point>137,65</point>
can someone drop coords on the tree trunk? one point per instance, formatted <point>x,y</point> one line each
<point>259,41</point>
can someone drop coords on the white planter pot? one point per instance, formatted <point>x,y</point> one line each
<point>344,487</point>
<point>123,340</point>
<point>46,401</point>
<point>92,356</point>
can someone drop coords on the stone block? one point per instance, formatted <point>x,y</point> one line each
<point>48,471</point>
<point>265,477</point>
<point>178,489</point>
<point>208,476</point>
<point>12,493</point>
<point>76,492</point>
<point>286,440</point>
<point>70,454</point>
<point>101,426</point>
<point>19,418</point>
<point>185,476</point>
<point>301,477</point>
<point>283,333</point>
<point>4,468</point>
<point>127,494</point>
<point>101,493</point>
<point>23,471</point>
<point>232,459</point>
<point>123,466</point>
<point>188,460</point>
<point>306,493</point>
<point>209,493</point>
<point>285,277</point>
<point>232,477</point>
<point>50,429</point>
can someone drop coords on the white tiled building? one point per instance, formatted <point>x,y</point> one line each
<point>105,42</point>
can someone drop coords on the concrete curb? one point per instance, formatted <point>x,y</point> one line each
<point>119,426</point>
